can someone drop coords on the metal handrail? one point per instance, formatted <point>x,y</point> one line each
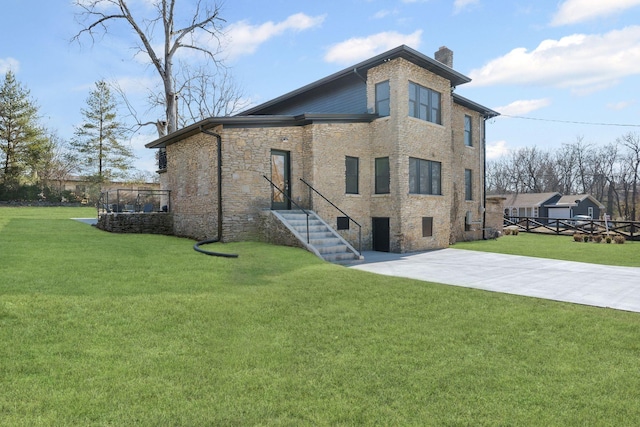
<point>342,212</point>
<point>291,200</point>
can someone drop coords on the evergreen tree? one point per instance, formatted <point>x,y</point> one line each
<point>97,144</point>
<point>22,140</point>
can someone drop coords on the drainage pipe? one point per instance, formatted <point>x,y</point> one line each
<point>219,238</point>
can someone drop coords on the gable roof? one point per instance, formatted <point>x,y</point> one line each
<point>574,200</point>
<point>361,69</point>
<point>522,200</point>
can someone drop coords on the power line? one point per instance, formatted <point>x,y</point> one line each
<point>570,121</point>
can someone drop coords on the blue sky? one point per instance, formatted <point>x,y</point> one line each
<point>552,68</point>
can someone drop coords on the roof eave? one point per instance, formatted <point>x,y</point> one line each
<point>402,51</point>
<point>258,121</point>
<point>485,111</point>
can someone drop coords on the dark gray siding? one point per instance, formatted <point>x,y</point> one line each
<point>543,210</point>
<point>345,96</point>
<point>583,208</point>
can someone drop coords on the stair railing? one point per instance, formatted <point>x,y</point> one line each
<point>291,200</point>
<point>341,211</point>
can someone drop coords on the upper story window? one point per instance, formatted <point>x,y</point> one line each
<point>383,96</point>
<point>468,141</point>
<point>352,165</point>
<point>468,184</point>
<point>383,177</point>
<point>162,159</point>
<point>424,103</point>
<point>424,176</point>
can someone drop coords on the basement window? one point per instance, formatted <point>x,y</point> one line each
<point>427,226</point>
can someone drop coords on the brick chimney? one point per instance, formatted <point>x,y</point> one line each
<point>444,55</point>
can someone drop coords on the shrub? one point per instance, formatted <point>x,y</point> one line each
<point>515,232</point>
<point>507,231</point>
<point>597,238</point>
<point>586,238</point>
<point>619,239</point>
<point>577,237</point>
<point>608,239</point>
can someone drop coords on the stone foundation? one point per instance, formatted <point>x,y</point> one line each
<point>273,231</point>
<point>140,223</point>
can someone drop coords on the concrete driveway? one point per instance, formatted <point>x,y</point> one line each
<point>568,281</point>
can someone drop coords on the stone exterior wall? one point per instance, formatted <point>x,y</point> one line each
<point>140,223</point>
<point>246,159</point>
<point>191,177</point>
<point>332,144</point>
<point>400,137</point>
<point>472,158</point>
<point>272,230</point>
<point>317,154</point>
<point>495,212</point>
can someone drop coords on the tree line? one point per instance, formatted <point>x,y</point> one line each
<point>32,156</point>
<point>608,172</point>
<point>36,160</point>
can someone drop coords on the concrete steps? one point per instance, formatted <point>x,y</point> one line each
<point>324,241</point>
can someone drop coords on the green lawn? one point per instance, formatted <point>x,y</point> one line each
<point>560,247</point>
<point>105,329</point>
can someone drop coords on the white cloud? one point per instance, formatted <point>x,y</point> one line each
<point>617,106</point>
<point>496,149</point>
<point>244,38</point>
<point>575,11</point>
<point>462,5</point>
<point>136,85</point>
<point>576,61</point>
<point>384,13</point>
<point>7,64</point>
<point>524,106</point>
<point>356,49</point>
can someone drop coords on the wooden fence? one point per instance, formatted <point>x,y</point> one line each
<point>629,229</point>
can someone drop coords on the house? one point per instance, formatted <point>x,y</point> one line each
<point>551,205</point>
<point>533,205</point>
<point>572,205</point>
<point>387,141</point>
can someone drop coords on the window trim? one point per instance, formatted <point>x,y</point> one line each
<point>384,101</point>
<point>421,97</point>
<point>468,130</point>
<point>349,177</point>
<point>427,226</point>
<point>432,167</point>
<point>378,187</point>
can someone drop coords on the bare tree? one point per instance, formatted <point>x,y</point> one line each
<point>565,169</point>
<point>498,177</point>
<point>609,168</point>
<point>57,163</point>
<point>204,94</point>
<point>632,142</point>
<point>530,167</point>
<point>96,16</point>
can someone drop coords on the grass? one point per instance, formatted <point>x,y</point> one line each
<point>106,329</point>
<point>559,247</point>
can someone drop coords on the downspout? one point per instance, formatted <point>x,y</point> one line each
<point>484,177</point>
<point>219,149</point>
<point>219,238</point>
